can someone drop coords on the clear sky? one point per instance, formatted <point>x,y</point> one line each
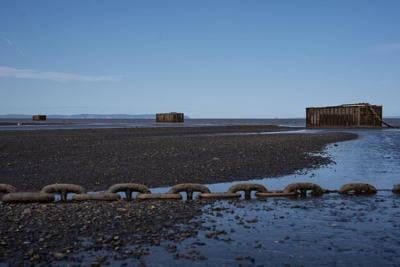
<point>209,59</point>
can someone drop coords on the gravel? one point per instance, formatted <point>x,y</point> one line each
<point>44,233</point>
<point>97,159</point>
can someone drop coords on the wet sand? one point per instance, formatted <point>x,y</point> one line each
<point>98,158</point>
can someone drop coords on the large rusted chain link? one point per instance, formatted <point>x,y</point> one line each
<point>128,189</point>
<point>302,189</point>
<point>63,190</point>
<point>357,189</point>
<point>247,188</point>
<point>6,188</point>
<point>189,189</point>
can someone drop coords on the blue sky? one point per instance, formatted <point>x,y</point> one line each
<point>209,59</point>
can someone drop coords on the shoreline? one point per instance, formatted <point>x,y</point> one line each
<point>99,158</point>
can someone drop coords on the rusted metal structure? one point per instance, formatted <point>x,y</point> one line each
<point>170,117</point>
<point>39,117</point>
<point>348,115</point>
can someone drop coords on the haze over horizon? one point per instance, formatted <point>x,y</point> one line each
<point>208,59</point>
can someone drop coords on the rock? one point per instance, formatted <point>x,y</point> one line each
<point>27,211</point>
<point>59,256</point>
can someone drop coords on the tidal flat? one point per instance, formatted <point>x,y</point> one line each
<point>99,158</point>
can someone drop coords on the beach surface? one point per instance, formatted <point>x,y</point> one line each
<point>274,231</point>
<point>99,158</point>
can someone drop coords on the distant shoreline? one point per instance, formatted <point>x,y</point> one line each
<point>28,124</point>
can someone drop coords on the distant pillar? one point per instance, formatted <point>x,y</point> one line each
<point>170,117</point>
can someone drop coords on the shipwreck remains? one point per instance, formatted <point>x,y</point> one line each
<point>170,117</point>
<point>39,117</point>
<point>348,115</point>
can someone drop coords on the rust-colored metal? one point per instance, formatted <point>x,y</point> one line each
<point>222,195</point>
<point>247,188</point>
<point>6,188</point>
<point>302,189</point>
<point>189,188</point>
<point>39,117</point>
<point>96,197</point>
<point>348,115</point>
<point>159,196</point>
<point>357,189</point>
<point>28,197</point>
<point>292,190</point>
<point>275,194</point>
<point>170,117</point>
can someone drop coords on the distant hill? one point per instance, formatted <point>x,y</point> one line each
<point>84,116</point>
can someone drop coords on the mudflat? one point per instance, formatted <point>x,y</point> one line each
<point>98,158</point>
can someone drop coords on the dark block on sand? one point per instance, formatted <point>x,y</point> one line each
<point>170,117</point>
<point>39,117</point>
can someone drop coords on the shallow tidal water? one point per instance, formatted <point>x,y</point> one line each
<point>328,231</point>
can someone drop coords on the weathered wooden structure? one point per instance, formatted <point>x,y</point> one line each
<point>349,115</point>
<point>39,117</point>
<point>170,117</point>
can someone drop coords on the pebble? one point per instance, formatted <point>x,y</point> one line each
<point>59,255</point>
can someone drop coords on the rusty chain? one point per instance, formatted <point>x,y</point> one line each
<point>49,192</point>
